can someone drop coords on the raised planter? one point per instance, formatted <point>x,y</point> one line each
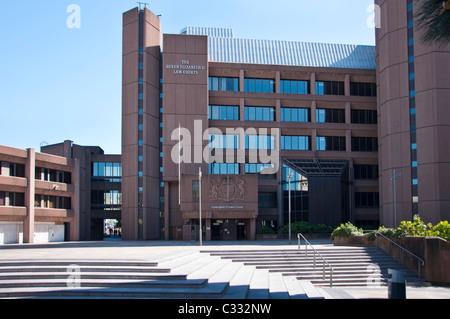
<point>266,236</point>
<point>354,240</point>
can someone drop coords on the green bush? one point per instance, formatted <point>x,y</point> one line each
<point>305,227</point>
<point>346,230</point>
<point>415,228</point>
<point>265,230</point>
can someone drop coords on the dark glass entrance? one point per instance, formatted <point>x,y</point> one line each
<point>228,229</point>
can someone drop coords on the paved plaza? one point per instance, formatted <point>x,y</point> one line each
<point>161,251</point>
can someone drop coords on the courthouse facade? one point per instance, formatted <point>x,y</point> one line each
<point>310,108</point>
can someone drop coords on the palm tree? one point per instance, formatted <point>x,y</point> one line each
<point>433,16</point>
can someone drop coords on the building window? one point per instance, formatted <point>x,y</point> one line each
<point>259,85</point>
<point>2,198</point>
<point>364,144</point>
<point>295,143</point>
<point>256,168</point>
<point>365,171</point>
<point>267,200</point>
<point>16,199</point>
<point>259,142</point>
<point>224,168</point>
<point>331,143</point>
<point>107,171</point>
<point>195,189</point>
<point>330,116</point>
<point>16,170</point>
<point>224,141</point>
<point>363,89</point>
<point>257,113</point>
<point>106,199</point>
<point>291,114</point>
<point>222,112</point>
<point>364,117</point>
<point>330,88</point>
<point>294,87</point>
<point>367,199</point>
<point>223,84</point>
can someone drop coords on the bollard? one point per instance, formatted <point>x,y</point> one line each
<point>396,285</point>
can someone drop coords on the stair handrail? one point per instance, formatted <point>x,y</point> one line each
<point>390,240</point>
<point>316,252</point>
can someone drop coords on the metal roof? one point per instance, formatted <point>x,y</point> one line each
<point>224,48</point>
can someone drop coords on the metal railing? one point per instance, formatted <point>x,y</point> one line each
<point>315,252</point>
<point>402,249</point>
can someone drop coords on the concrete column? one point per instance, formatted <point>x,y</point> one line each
<point>314,140</point>
<point>75,224</point>
<point>348,141</point>
<point>277,82</point>
<point>242,109</point>
<point>166,211</point>
<point>313,83</point>
<point>28,223</point>
<point>313,111</point>
<point>241,80</point>
<point>347,85</point>
<point>208,229</point>
<point>348,113</point>
<point>252,229</point>
<point>278,111</point>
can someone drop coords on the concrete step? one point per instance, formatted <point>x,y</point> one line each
<point>277,287</point>
<point>92,275</point>
<point>259,285</point>
<point>82,268</point>
<point>208,291</point>
<point>66,263</point>
<point>239,285</point>
<point>122,283</point>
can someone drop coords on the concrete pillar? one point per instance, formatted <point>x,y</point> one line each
<point>75,224</point>
<point>313,112</point>
<point>167,185</point>
<point>348,141</point>
<point>241,80</point>
<point>28,223</point>
<point>348,113</point>
<point>347,85</point>
<point>313,83</point>
<point>252,229</point>
<point>277,82</point>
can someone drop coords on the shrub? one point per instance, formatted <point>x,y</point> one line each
<point>265,230</point>
<point>346,230</point>
<point>442,230</point>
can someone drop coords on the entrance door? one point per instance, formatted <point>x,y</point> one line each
<point>216,230</point>
<point>241,231</point>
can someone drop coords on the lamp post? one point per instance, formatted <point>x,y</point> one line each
<point>200,202</point>
<point>394,178</point>
<point>290,175</point>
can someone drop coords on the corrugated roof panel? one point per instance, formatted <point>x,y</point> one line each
<point>224,48</point>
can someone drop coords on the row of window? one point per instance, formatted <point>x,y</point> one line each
<point>57,202</point>
<point>291,86</point>
<point>102,198</point>
<point>290,114</point>
<point>45,174</point>
<point>106,171</point>
<point>293,143</point>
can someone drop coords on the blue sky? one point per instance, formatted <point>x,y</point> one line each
<point>58,83</point>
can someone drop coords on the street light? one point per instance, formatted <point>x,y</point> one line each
<point>394,178</point>
<point>200,202</point>
<point>290,175</point>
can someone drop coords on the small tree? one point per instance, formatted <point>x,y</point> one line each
<point>433,17</point>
